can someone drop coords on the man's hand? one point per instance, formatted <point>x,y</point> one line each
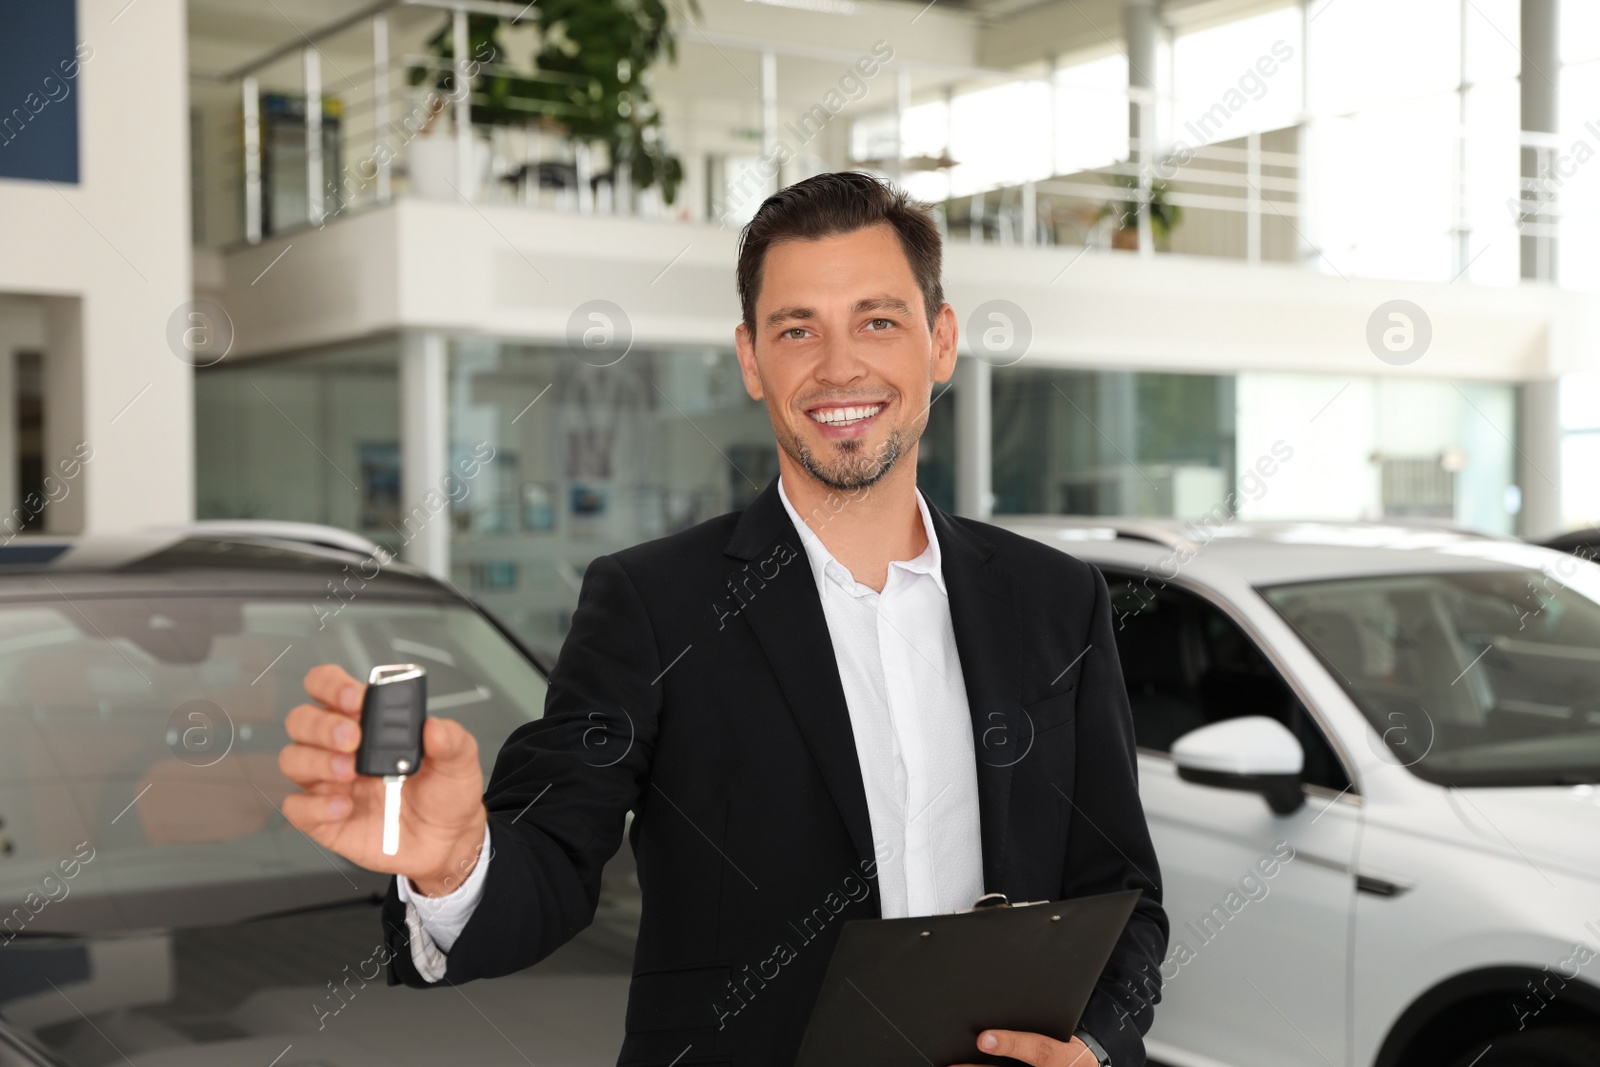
<point>1036,1049</point>
<point>441,812</point>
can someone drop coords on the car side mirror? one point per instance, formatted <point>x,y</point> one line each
<point>1254,753</point>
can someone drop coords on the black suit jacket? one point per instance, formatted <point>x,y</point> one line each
<point>698,688</point>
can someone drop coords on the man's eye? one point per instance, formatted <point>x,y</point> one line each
<point>873,324</point>
<point>794,332</point>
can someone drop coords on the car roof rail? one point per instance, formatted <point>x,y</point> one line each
<point>307,533</point>
<point>1104,528</point>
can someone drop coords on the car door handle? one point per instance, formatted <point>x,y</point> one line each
<point>1381,886</point>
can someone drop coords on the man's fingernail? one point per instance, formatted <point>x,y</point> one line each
<point>343,765</point>
<point>345,734</point>
<point>339,806</point>
<point>987,1042</point>
<point>350,699</point>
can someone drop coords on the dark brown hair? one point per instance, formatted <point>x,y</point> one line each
<point>840,202</point>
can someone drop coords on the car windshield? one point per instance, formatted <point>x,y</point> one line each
<point>155,907</point>
<point>1469,678</point>
<point>144,732</point>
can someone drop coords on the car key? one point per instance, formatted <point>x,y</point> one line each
<point>392,714</point>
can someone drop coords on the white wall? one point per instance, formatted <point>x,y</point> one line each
<point>116,246</point>
<point>515,272</point>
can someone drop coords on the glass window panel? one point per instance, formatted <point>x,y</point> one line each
<point>1091,109</point>
<point>1330,423</point>
<point>936,453</point>
<point>606,457</point>
<point>1222,93</point>
<point>1373,223</point>
<point>1580,489</point>
<point>1580,401</point>
<point>995,136</point>
<point>1576,179</point>
<point>1490,185</point>
<point>1493,30</point>
<point>1366,53</point>
<point>1091,442</point>
<point>1580,30</point>
<point>309,438</point>
<point>1368,448</point>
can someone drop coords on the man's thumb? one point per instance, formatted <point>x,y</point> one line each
<point>448,745</point>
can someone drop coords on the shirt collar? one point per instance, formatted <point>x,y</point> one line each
<point>823,565</point>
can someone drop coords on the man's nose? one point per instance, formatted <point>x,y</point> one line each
<point>839,363</point>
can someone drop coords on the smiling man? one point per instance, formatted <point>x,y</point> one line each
<point>838,703</point>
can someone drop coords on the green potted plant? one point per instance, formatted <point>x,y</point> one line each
<point>1124,211</point>
<point>590,80</point>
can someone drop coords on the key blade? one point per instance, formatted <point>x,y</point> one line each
<point>392,784</point>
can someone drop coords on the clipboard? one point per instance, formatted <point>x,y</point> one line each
<point>914,991</point>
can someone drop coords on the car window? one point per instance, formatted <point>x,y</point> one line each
<point>139,740</point>
<point>1186,665</point>
<point>1471,678</point>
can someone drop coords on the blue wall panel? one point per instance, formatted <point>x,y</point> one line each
<point>39,67</point>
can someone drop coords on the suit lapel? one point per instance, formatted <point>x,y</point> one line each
<point>982,614</point>
<point>785,613</point>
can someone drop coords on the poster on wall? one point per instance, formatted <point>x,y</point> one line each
<point>589,500</point>
<point>379,463</point>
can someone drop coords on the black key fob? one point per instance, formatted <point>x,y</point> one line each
<point>392,714</point>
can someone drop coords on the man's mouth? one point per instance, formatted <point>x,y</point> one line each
<point>844,415</point>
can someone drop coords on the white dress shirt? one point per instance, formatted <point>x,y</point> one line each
<point>897,658</point>
<point>907,698</point>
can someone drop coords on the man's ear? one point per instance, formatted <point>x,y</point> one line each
<point>945,332</point>
<point>746,349</point>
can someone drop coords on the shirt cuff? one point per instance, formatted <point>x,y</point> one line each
<point>436,922</point>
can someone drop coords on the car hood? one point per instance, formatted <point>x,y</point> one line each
<point>1558,826</point>
<point>240,994</point>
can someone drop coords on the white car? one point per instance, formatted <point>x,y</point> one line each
<point>1368,756</point>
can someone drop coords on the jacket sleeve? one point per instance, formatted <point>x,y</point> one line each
<point>560,790</point>
<point>1109,848</point>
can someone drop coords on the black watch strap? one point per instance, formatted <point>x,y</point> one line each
<point>1101,1056</point>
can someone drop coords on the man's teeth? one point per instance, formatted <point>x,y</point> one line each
<point>841,416</point>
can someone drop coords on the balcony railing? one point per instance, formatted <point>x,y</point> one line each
<point>398,123</point>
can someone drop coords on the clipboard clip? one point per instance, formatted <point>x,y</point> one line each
<point>998,900</point>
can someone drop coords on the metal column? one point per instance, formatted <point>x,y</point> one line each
<point>466,179</point>
<point>1539,427</point>
<point>313,61</point>
<point>902,104</point>
<point>380,106</point>
<point>1541,73</point>
<point>769,103</point>
<point>424,449</point>
<point>252,160</point>
<point>974,437</point>
<point>1142,27</point>
<point>1539,458</point>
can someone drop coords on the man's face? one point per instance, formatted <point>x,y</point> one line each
<point>843,356</point>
